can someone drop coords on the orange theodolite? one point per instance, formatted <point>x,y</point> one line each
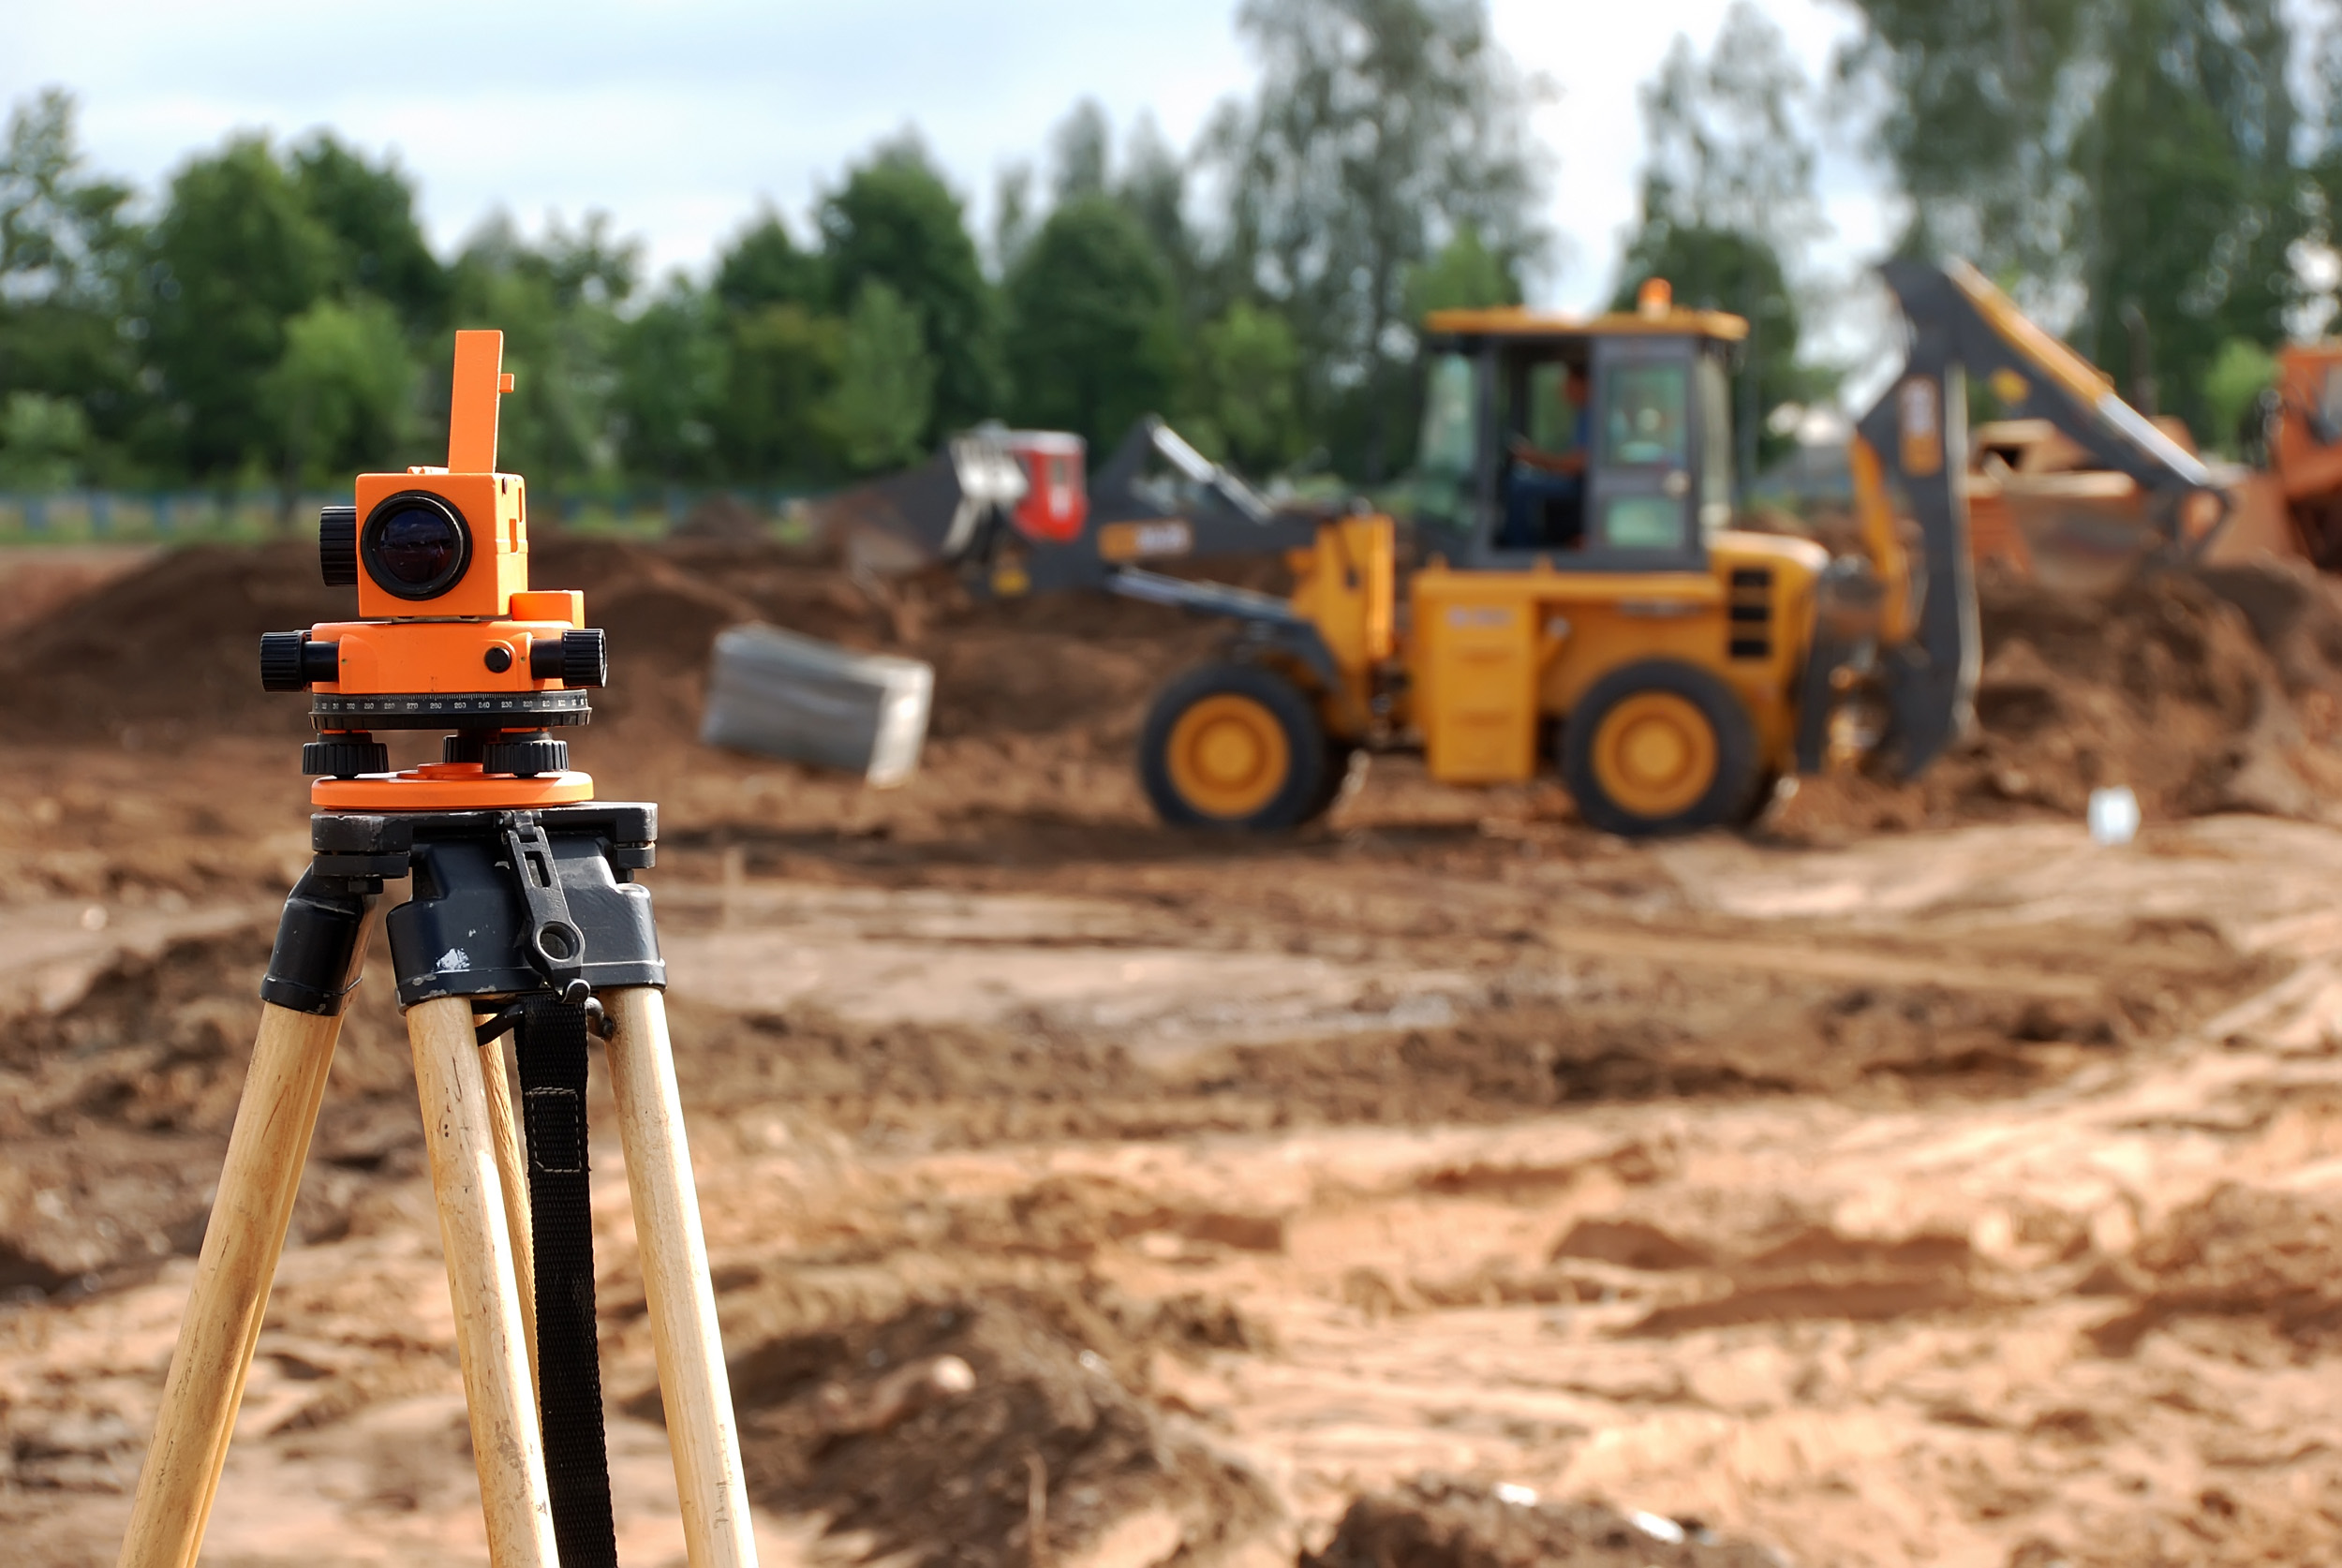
<point>449,635</point>
<point>522,917</point>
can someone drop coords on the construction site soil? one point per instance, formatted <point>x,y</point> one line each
<point>1908,1180</point>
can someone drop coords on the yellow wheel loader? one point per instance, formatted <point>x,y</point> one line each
<point>1584,603</point>
<point>1580,601</point>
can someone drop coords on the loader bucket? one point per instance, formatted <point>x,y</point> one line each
<point>2086,533</point>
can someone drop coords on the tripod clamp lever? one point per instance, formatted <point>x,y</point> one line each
<point>552,944</point>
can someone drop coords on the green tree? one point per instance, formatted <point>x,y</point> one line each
<point>781,369</point>
<point>60,230</point>
<point>2147,155</point>
<point>1379,129</point>
<point>1244,396</point>
<point>1153,184</point>
<point>884,400</point>
<point>43,441</point>
<point>669,389</point>
<point>1464,275</point>
<point>369,209</point>
<point>1730,144</point>
<point>1081,148</point>
<point>1728,193</point>
<point>1979,106</point>
<point>342,397</point>
<point>67,257</point>
<point>1014,216</point>
<point>893,221</point>
<point>763,266</point>
<point>557,304</point>
<point>1147,177</point>
<point>2192,204</point>
<point>237,255</point>
<point>1094,342</point>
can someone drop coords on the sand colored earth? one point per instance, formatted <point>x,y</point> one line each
<point>1908,1182</point>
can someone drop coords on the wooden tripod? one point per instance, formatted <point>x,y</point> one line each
<point>479,1173</point>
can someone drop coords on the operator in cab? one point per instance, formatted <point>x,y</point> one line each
<point>1545,490</point>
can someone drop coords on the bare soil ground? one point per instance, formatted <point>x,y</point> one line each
<point>1908,1182</point>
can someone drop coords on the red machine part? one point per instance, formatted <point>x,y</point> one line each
<point>1055,503</point>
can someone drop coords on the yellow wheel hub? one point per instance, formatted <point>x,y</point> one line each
<point>1656,754</point>
<point>1229,756</point>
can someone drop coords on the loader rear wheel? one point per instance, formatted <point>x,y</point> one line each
<point>1658,747</point>
<point>1233,746</point>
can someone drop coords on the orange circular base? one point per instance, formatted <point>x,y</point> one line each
<point>449,787</point>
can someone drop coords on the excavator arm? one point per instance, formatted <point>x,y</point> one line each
<point>1910,454</point>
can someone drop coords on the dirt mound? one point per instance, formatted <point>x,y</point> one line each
<point>168,651</point>
<point>2215,690</point>
<point>115,1114</point>
<point>1433,1522</point>
<point>982,1432</point>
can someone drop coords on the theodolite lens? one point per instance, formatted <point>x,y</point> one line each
<point>415,546</point>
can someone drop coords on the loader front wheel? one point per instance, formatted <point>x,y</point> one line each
<point>1233,746</point>
<point>1658,747</point>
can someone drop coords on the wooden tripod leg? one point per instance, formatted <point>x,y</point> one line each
<point>513,1178</point>
<point>242,1244</point>
<point>692,1382</point>
<point>461,1135</point>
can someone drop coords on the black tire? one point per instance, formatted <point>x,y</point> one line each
<point>1727,799</point>
<point>1299,795</point>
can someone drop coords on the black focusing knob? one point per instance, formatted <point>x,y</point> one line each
<point>338,546</point>
<point>345,756</point>
<point>289,661</point>
<point>579,659</point>
<point>525,755</point>
<point>284,665</point>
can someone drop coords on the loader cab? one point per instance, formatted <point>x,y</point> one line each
<point>1601,445</point>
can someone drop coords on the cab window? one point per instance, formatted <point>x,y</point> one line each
<point>1643,522</point>
<point>1446,456</point>
<point>1550,416</point>
<point>1646,416</point>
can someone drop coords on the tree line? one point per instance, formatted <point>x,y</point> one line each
<point>274,316</point>
<point>2157,177</point>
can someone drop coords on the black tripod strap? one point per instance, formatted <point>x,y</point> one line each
<point>551,1040</point>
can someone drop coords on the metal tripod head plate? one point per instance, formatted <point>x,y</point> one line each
<point>475,926</point>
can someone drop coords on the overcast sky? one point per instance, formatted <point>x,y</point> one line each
<point>680,118</point>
